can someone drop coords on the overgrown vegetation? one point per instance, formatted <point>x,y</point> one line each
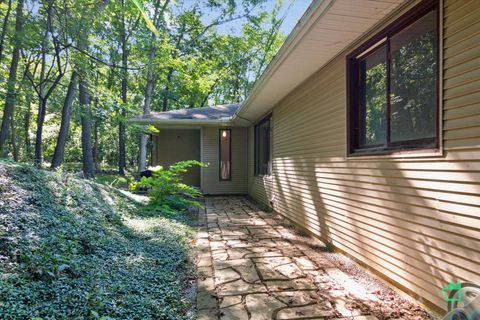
<point>166,190</point>
<point>75,249</point>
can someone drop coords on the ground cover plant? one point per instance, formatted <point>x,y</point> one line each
<point>75,249</point>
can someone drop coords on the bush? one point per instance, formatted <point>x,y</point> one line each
<point>167,193</point>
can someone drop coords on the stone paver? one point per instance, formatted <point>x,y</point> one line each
<point>252,267</point>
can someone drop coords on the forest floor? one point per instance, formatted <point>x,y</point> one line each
<point>76,249</point>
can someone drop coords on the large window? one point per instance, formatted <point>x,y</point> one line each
<point>392,86</point>
<point>225,145</point>
<point>263,163</point>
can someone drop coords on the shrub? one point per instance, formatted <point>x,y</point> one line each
<point>166,190</point>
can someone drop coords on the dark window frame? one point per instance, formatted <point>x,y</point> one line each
<point>256,159</point>
<point>353,96</point>
<point>220,154</point>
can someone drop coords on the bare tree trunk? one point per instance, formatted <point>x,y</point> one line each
<point>122,163</point>
<point>167,89</point>
<point>65,122</point>
<point>87,156</point>
<point>4,28</point>
<point>42,105</point>
<point>42,111</point>
<point>12,79</point>
<point>26,126</point>
<point>43,93</point>
<point>95,145</point>
<point>14,142</point>
<point>142,161</point>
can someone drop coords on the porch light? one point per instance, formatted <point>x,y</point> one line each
<point>224,134</point>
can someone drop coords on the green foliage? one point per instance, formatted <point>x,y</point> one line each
<point>74,249</point>
<point>166,190</point>
<point>114,180</point>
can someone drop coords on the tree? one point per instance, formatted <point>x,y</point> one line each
<point>121,63</point>
<point>65,122</point>
<point>46,76</point>
<point>12,80</point>
<point>158,15</point>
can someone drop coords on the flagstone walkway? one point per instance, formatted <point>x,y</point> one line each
<point>253,267</point>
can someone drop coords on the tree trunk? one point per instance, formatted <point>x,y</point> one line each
<point>167,89</point>
<point>95,144</point>
<point>12,79</point>
<point>42,111</point>
<point>26,126</point>
<point>65,122</point>
<point>142,161</point>
<point>122,163</point>
<point>14,142</point>
<point>87,156</point>
<point>4,28</point>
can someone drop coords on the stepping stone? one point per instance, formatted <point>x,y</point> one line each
<point>225,275</point>
<point>244,267</point>
<point>206,300</point>
<point>323,309</point>
<point>298,298</point>
<point>230,301</point>
<point>296,284</point>
<point>239,287</point>
<point>262,306</point>
<point>207,314</point>
<point>278,268</point>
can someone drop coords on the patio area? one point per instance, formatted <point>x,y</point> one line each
<point>253,265</point>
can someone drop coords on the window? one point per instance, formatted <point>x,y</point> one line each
<point>262,148</point>
<point>225,151</point>
<point>392,87</point>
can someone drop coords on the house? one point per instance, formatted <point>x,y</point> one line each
<point>364,131</point>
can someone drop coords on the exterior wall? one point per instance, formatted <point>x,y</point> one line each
<point>173,145</point>
<point>211,183</point>
<point>259,187</point>
<point>414,220</point>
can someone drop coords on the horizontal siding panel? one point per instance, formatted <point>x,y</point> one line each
<point>460,25</point>
<point>462,112</point>
<point>387,238</point>
<point>426,205</point>
<point>457,10</point>
<point>465,55</point>
<point>472,132</point>
<point>399,191</point>
<point>472,98</point>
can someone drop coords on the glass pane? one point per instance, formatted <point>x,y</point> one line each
<point>414,81</point>
<point>225,145</point>
<point>263,147</point>
<point>373,98</point>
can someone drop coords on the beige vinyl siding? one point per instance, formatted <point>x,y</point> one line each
<point>211,183</point>
<point>173,145</point>
<point>259,187</point>
<point>414,220</point>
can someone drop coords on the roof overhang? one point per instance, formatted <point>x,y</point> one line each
<point>326,29</point>
<point>180,122</point>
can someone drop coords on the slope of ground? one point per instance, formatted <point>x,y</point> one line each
<point>74,249</point>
